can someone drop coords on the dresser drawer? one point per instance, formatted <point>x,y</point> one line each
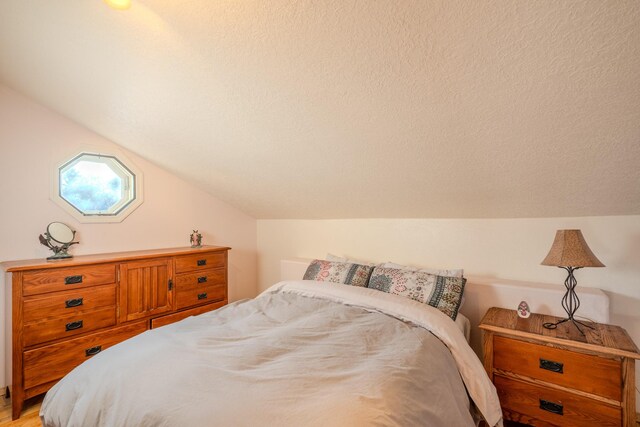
<point>68,325</point>
<point>63,279</point>
<point>554,406</point>
<point>175,317</point>
<point>54,361</point>
<point>191,296</point>
<point>591,374</point>
<point>41,307</point>
<point>202,261</point>
<point>201,279</point>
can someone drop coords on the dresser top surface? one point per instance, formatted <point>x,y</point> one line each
<point>608,339</point>
<point>38,264</point>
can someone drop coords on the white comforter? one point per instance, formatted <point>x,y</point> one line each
<point>301,354</point>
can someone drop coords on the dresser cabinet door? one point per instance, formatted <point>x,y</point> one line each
<point>146,288</point>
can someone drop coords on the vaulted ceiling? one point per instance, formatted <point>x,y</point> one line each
<point>353,108</point>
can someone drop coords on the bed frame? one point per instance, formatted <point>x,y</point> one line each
<point>483,293</point>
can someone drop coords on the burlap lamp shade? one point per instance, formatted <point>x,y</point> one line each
<point>569,249</point>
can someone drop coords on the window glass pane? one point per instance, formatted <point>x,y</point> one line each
<point>91,186</point>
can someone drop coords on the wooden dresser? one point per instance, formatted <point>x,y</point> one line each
<point>558,377</point>
<point>66,311</point>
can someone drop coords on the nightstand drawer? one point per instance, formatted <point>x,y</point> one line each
<point>532,402</point>
<point>591,374</point>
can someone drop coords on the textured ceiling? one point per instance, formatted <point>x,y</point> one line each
<point>346,108</point>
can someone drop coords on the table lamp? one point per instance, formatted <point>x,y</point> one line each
<point>570,251</point>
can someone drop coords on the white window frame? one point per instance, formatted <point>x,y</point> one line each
<point>123,167</point>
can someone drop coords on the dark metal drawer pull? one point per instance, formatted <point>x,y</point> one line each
<point>552,366</point>
<point>202,262</point>
<point>202,279</point>
<point>202,296</point>
<point>554,408</point>
<point>73,302</point>
<point>74,325</point>
<point>93,351</point>
<point>72,280</point>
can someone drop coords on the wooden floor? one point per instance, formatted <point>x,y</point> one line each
<point>29,416</point>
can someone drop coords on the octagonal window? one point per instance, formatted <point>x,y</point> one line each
<point>97,188</point>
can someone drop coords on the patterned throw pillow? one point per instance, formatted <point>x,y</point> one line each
<point>338,272</point>
<point>443,293</point>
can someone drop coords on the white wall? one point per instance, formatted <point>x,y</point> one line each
<point>491,248</point>
<point>33,138</point>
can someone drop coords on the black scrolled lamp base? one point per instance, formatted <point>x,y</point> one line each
<point>570,303</point>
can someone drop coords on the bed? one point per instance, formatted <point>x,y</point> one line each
<point>302,353</point>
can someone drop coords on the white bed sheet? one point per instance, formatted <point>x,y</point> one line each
<point>463,323</point>
<point>478,384</point>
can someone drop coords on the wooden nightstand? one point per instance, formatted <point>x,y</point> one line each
<point>557,376</point>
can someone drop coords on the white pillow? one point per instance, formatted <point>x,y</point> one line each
<point>452,272</point>
<point>335,258</point>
